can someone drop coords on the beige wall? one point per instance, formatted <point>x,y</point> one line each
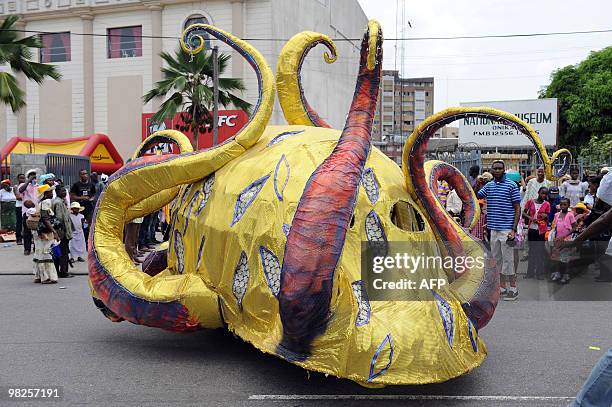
<point>56,109</point>
<point>125,112</point>
<point>3,125</point>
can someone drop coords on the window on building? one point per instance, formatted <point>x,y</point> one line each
<point>426,93</point>
<point>193,39</point>
<point>56,47</point>
<point>125,42</point>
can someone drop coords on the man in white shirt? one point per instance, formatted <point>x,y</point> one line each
<point>454,204</point>
<point>533,186</point>
<point>573,189</point>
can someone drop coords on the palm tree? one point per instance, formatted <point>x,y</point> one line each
<point>17,53</point>
<point>189,82</point>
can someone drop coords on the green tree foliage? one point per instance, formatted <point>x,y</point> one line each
<point>17,54</point>
<point>597,152</point>
<point>188,86</point>
<point>585,99</point>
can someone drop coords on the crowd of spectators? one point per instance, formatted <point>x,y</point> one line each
<point>548,219</point>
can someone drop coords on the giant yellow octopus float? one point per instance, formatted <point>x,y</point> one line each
<point>267,230</point>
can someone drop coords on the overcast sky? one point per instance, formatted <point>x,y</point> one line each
<point>474,70</point>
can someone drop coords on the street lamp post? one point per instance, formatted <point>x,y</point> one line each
<point>215,58</point>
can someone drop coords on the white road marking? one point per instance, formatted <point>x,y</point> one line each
<point>402,397</point>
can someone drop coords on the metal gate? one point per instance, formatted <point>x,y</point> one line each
<point>462,160</point>
<point>67,167</point>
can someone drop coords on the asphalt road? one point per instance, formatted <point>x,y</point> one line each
<point>56,337</point>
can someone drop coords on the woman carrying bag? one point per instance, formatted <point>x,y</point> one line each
<point>562,228</point>
<point>535,215</point>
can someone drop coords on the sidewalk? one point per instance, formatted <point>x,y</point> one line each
<point>581,288</point>
<point>13,262</point>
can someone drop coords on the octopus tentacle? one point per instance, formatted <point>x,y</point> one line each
<point>441,171</point>
<point>318,232</point>
<point>164,136</point>
<point>161,198</point>
<point>477,288</point>
<point>291,96</point>
<point>177,303</point>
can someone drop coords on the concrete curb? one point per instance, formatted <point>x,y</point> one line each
<point>31,274</point>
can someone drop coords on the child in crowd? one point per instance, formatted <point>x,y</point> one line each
<point>589,198</point>
<point>78,247</point>
<point>564,225</point>
<point>553,200</point>
<point>580,212</point>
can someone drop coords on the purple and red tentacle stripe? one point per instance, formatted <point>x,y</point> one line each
<point>319,227</point>
<point>119,303</point>
<point>482,304</point>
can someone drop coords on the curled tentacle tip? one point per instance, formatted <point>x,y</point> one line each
<point>188,36</point>
<point>330,59</point>
<point>564,156</point>
<point>374,36</point>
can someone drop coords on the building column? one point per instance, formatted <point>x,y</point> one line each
<point>22,114</point>
<point>156,49</point>
<point>88,74</point>
<point>238,31</point>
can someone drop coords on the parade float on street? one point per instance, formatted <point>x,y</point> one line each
<point>267,231</point>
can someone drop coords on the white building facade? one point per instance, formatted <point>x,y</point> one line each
<point>107,66</point>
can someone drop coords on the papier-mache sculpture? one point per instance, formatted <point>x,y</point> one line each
<point>267,230</point>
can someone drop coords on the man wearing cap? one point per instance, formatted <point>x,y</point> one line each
<point>503,210</point>
<point>28,191</point>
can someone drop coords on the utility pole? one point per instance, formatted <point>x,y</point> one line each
<point>215,58</point>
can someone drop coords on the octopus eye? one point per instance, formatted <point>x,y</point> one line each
<point>448,320</point>
<point>200,252</point>
<point>376,234</point>
<point>361,297</point>
<point>283,136</point>
<point>207,186</point>
<point>387,347</point>
<point>271,268</point>
<point>246,198</point>
<point>241,279</point>
<point>370,184</point>
<point>180,251</point>
<point>472,336</point>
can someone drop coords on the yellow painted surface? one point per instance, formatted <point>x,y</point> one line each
<point>100,155</point>
<point>70,148</point>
